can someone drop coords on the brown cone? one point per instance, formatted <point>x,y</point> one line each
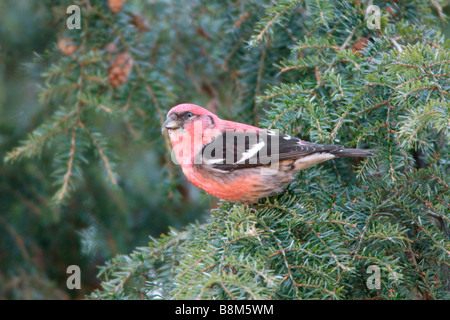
<point>120,70</point>
<point>115,5</point>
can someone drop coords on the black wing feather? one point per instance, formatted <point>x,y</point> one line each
<point>238,150</point>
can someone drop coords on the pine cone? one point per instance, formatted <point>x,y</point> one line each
<point>115,5</point>
<point>111,47</point>
<point>139,22</point>
<point>359,45</point>
<point>120,70</point>
<point>244,16</point>
<point>67,46</point>
<point>318,74</point>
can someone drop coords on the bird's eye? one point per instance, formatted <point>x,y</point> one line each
<point>189,114</point>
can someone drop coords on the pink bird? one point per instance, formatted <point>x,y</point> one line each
<point>239,162</point>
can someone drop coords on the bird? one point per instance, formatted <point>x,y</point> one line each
<point>239,162</point>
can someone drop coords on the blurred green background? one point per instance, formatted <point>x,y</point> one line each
<point>39,239</point>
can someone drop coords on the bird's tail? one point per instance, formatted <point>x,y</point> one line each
<point>353,153</point>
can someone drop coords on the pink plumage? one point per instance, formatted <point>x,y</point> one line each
<point>239,162</point>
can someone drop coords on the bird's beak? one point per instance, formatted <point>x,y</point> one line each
<point>170,124</point>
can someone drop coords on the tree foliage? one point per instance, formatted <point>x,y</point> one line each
<point>308,68</point>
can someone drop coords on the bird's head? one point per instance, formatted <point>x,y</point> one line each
<point>190,127</point>
<point>185,117</point>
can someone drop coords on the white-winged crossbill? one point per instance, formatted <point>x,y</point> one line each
<point>239,162</point>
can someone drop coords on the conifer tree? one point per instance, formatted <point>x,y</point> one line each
<point>324,71</point>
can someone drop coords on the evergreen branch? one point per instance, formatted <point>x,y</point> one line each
<point>124,267</point>
<point>125,276</point>
<point>422,66</point>
<point>130,96</point>
<point>341,48</point>
<point>227,291</point>
<point>137,67</point>
<point>317,46</point>
<point>101,152</point>
<point>376,261</point>
<point>370,108</point>
<point>425,88</point>
<point>409,65</point>
<point>411,80</point>
<point>254,270</point>
<point>340,122</point>
<point>233,51</point>
<point>278,117</point>
<point>181,236</point>
<point>18,239</point>
<point>268,25</point>
<point>161,117</point>
<point>182,274</point>
<point>282,93</point>
<point>438,8</point>
<point>363,168</point>
<point>327,219</point>
<point>391,162</point>
<point>351,225</point>
<point>315,271</point>
<point>258,84</point>
<point>348,39</point>
<point>353,62</point>
<point>35,140</point>
<point>283,254</point>
<point>319,288</point>
<point>247,289</point>
<point>414,262</point>
<point>391,165</point>
<point>272,15</point>
<point>291,250</point>
<point>396,45</point>
<point>295,67</point>
<point>430,236</point>
<point>315,118</point>
<point>331,251</point>
<point>361,236</point>
<point>416,37</point>
<point>64,189</point>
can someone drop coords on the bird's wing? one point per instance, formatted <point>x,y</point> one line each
<point>238,149</point>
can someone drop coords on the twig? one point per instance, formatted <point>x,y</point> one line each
<point>63,190</point>
<point>258,83</point>
<point>100,151</point>
<point>439,9</point>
